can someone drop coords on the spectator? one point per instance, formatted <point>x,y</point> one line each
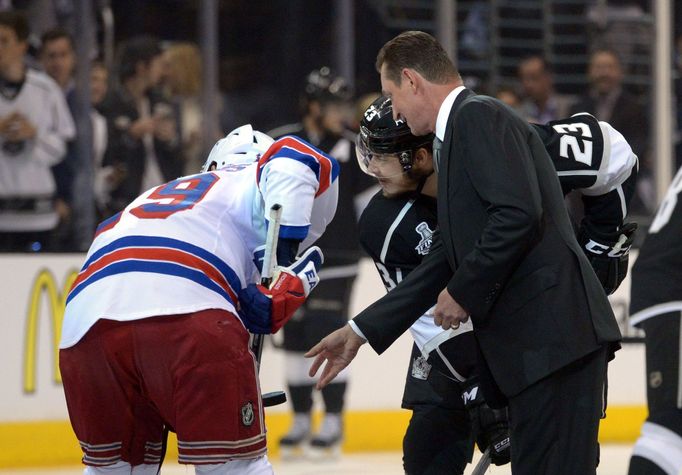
<point>182,81</point>
<point>99,84</point>
<point>541,103</point>
<point>509,96</point>
<point>58,59</point>
<point>608,101</point>
<point>143,146</point>
<point>35,126</point>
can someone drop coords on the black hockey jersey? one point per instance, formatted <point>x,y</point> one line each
<point>593,157</point>
<point>589,156</point>
<point>656,285</point>
<point>396,233</point>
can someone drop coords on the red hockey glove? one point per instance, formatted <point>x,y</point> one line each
<point>266,310</point>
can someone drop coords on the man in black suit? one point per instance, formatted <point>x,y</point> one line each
<point>506,257</point>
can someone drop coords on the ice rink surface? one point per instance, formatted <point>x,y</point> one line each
<point>614,462</point>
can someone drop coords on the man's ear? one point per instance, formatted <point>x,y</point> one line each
<point>423,159</point>
<point>412,79</point>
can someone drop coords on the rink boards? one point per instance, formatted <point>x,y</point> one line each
<point>34,427</point>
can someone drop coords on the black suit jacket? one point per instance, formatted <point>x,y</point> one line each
<point>506,252</point>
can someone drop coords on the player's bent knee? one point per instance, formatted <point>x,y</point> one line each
<point>257,466</point>
<point>661,446</point>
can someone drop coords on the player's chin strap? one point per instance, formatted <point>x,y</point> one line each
<point>421,184</point>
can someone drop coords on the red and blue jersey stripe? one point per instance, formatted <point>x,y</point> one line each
<point>325,167</point>
<point>159,255</point>
<point>108,223</point>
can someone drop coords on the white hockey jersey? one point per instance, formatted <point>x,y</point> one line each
<point>188,245</point>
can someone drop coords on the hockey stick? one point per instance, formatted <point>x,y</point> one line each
<point>483,463</point>
<point>269,264</point>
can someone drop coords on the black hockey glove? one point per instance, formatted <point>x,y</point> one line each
<point>608,253</point>
<point>489,426</point>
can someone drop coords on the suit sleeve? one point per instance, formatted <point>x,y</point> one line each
<point>390,316</point>
<point>496,156</point>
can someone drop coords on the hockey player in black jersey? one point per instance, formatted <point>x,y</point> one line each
<point>396,230</point>
<point>325,105</point>
<point>656,307</point>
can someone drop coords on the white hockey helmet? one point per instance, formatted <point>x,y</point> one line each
<point>240,147</point>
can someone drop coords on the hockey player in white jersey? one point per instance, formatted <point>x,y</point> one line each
<point>155,333</point>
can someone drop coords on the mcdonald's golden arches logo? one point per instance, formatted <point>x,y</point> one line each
<point>56,298</point>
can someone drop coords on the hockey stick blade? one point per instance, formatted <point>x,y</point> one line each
<point>274,398</point>
<point>483,463</point>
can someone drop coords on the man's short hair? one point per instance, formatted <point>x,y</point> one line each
<point>56,34</point>
<point>419,51</point>
<point>16,21</point>
<point>606,50</point>
<point>546,66</point>
<point>138,49</point>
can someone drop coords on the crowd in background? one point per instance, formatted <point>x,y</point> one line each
<point>146,121</point>
<point>606,98</point>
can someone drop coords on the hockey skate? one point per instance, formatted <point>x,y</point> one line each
<point>293,444</point>
<point>326,444</point>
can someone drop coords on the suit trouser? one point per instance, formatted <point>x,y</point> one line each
<point>554,423</point>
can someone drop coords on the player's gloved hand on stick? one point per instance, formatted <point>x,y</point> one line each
<point>489,426</point>
<point>266,310</point>
<point>286,253</point>
<point>608,253</point>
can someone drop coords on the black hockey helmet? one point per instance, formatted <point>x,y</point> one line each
<point>325,86</point>
<point>381,135</point>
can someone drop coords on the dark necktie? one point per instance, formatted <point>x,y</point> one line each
<point>437,144</point>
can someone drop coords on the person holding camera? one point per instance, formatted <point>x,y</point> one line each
<point>144,146</point>
<point>35,126</point>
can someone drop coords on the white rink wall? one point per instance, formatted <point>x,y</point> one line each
<point>31,391</point>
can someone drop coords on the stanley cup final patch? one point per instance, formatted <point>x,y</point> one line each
<point>420,368</point>
<point>426,235</point>
<point>247,414</point>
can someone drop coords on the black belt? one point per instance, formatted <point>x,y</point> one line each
<point>43,204</point>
